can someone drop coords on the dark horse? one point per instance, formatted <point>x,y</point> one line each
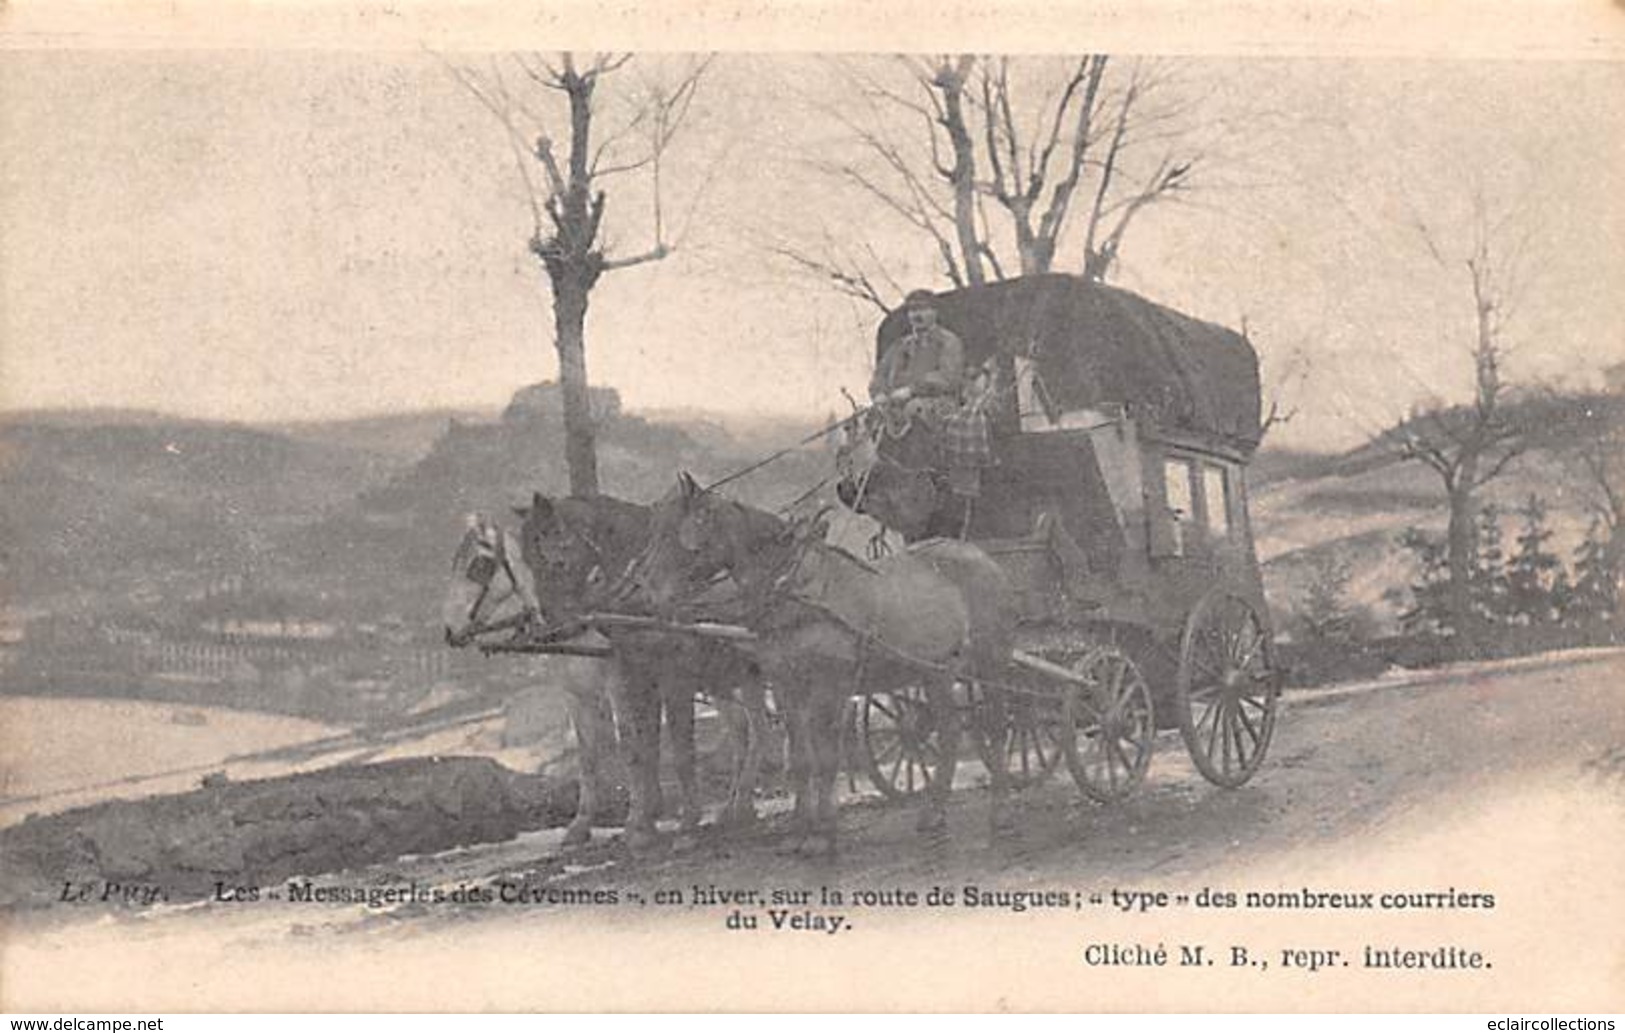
<point>829,626</point>
<point>578,549</point>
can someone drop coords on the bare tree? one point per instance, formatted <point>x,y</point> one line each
<point>1599,455</point>
<point>994,159</point>
<point>1286,381</point>
<point>567,197</point>
<point>1470,445</point>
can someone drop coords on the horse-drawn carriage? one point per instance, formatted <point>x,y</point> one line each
<point>1096,584</point>
<point>1117,506</point>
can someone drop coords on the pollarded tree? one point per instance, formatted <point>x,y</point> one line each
<point>532,96</point>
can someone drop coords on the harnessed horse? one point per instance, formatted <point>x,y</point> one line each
<point>580,549</point>
<point>829,626</point>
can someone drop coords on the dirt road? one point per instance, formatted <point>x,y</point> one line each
<point>1504,785</point>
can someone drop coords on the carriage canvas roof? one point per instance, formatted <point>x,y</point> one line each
<point>1096,345</point>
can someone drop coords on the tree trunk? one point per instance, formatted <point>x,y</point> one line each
<point>1459,544</point>
<point>569,321</point>
<point>951,81</point>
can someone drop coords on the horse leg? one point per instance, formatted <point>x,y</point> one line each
<point>827,742</point>
<point>639,712</point>
<point>590,722</point>
<point>678,703</point>
<point>736,725</point>
<point>798,743</point>
<point>752,707</point>
<point>934,811</point>
<point>995,728</point>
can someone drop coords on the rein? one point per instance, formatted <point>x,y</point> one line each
<point>781,453</point>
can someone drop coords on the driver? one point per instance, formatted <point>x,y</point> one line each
<point>927,363</point>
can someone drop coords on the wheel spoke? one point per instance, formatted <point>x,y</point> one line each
<point>1206,691</point>
<point>1114,684</point>
<point>1246,723</point>
<point>1255,640</point>
<point>893,745</point>
<point>1115,749</point>
<point>1212,663</point>
<point>1212,712</point>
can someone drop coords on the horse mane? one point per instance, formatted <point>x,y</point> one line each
<point>619,528</point>
<point>761,525</point>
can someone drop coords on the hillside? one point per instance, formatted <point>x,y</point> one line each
<point>89,502</point>
<point>399,437</point>
<point>1354,513</point>
<point>112,511</point>
<point>354,519</point>
<point>397,537</point>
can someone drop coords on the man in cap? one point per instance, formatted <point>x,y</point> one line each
<point>922,379</point>
<point>928,362</point>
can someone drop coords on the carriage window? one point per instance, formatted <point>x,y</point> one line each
<point>1181,490</point>
<point>1216,493</point>
<point>1180,486</point>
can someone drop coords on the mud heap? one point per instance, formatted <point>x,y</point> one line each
<point>263,831</point>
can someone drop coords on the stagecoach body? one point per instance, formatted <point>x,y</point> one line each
<point>1117,503</point>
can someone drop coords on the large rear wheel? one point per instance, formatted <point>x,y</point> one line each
<point>1228,689</point>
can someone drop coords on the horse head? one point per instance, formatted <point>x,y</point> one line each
<point>699,535</point>
<point>490,589</point>
<point>562,554</point>
<point>687,545</point>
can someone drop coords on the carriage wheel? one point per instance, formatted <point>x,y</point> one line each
<point>901,747</point>
<point>1113,727</point>
<point>1227,689</point>
<point>1028,739</point>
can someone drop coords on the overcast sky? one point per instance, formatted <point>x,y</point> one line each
<point>277,235</point>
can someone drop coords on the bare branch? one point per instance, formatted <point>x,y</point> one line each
<point>496,104</point>
<point>1091,71</point>
<point>604,64</point>
<point>544,154</point>
<point>849,282</point>
<point>1052,139</point>
<point>654,254</point>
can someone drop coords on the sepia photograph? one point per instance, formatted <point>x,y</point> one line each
<point>610,516</point>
